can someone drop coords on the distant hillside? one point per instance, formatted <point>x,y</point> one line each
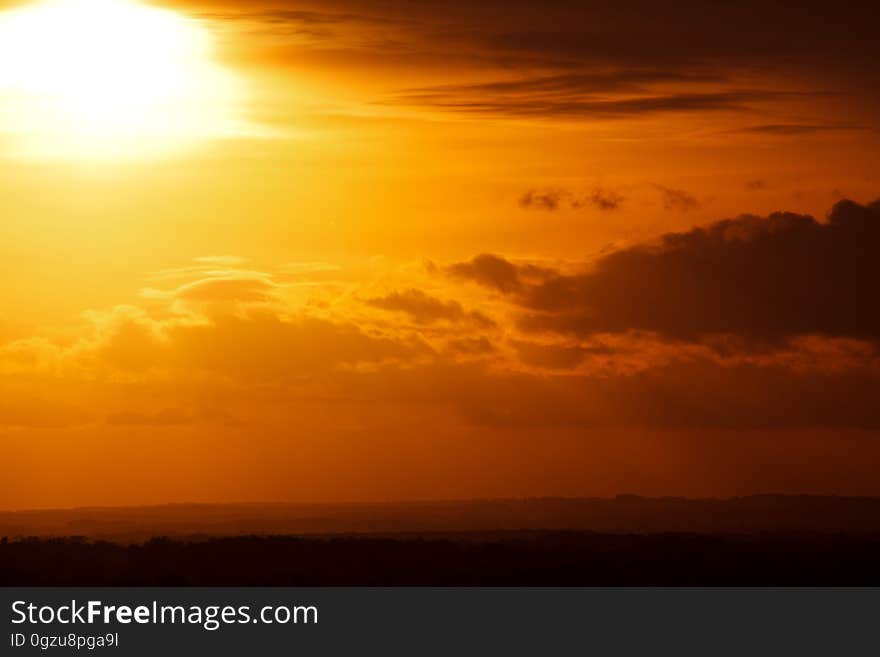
<point>623,514</point>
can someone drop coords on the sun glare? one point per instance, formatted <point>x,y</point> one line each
<point>110,78</point>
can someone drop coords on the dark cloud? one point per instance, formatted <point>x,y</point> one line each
<point>425,309</point>
<point>605,59</point>
<point>573,84</point>
<point>797,129</point>
<point>761,278</point>
<point>633,32</point>
<point>553,199</point>
<point>315,21</point>
<point>497,273</point>
<point>688,32</point>
<point>677,200</point>
<point>491,271</point>
<point>285,16</point>
<point>603,199</point>
<point>577,104</point>
<point>542,200</point>
<point>597,94</point>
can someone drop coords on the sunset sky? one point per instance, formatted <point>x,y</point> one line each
<point>364,250</point>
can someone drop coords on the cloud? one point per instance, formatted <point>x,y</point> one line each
<point>677,200</point>
<point>553,199</point>
<point>624,79</point>
<point>638,32</point>
<point>541,200</point>
<point>614,93</point>
<point>125,338</point>
<point>603,199</point>
<point>747,323</point>
<point>497,273</point>
<point>265,346</point>
<point>490,270</point>
<point>33,354</point>
<point>583,106</point>
<point>218,292</point>
<point>271,14</point>
<point>797,129</point>
<point>761,278</point>
<point>257,342</point>
<point>634,32</point>
<point>425,309</point>
<point>604,59</point>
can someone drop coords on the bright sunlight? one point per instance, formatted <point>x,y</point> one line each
<point>109,79</point>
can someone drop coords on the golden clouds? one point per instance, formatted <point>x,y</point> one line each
<point>262,382</point>
<point>531,345</point>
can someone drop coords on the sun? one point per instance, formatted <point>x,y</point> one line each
<point>110,78</point>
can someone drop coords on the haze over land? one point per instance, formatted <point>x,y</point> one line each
<point>623,514</point>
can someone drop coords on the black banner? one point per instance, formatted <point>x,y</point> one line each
<point>414,621</point>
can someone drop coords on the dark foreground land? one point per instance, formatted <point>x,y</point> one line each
<point>625,541</point>
<point>498,559</point>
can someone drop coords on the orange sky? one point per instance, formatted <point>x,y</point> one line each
<point>385,250</point>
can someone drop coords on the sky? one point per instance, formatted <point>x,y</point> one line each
<point>365,250</point>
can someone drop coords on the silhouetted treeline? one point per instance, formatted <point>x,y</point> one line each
<point>496,559</point>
